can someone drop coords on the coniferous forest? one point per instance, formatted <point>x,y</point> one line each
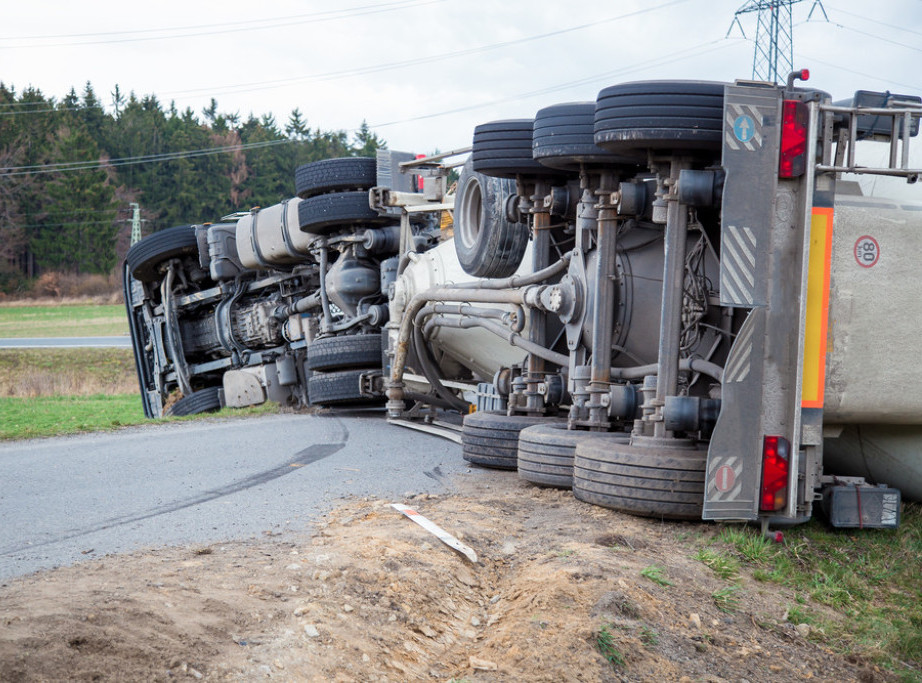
<point>70,168</point>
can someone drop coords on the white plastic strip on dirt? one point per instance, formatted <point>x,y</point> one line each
<point>436,531</point>
<point>437,430</point>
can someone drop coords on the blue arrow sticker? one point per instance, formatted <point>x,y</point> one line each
<point>744,128</point>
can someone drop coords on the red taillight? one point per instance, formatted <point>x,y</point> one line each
<point>793,139</point>
<point>775,470</point>
<point>420,183</point>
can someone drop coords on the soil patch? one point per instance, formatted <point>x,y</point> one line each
<point>559,593</point>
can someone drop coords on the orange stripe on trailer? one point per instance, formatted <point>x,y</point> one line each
<point>816,325</point>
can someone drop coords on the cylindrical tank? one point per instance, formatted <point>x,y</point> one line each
<point>873,372</point>
<point>480,351</point>
<point>271,237</point>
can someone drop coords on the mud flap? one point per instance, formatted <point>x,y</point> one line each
<point>765,240</point>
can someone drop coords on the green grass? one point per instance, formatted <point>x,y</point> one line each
<point>81,320</point>
<point>648,636</point>
<point>754,547</point>
<point>656,574</point>
<point>26,418</point>
<point>859,589</point>
<point>605,641</point>
<point>723,564</point>
<point>726,599</point>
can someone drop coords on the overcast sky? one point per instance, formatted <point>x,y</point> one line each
<point>425,72</point>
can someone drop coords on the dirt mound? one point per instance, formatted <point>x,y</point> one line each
<point>562,591</point>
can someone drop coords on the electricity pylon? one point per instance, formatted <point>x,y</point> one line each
<point>774,46</point>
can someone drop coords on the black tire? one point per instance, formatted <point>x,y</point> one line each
<point>545,454</point>
<point>348,351</point>
<point>201,401</point>
<point>335,175</point>
<point>487,243</point>
<point>676,115</point>
<point>666,483</point>
<point>502,149</point>
<point>144,257</point>
<point>339,388</point>
<point>564,138</point>
<point>326,213</point>
<point>491,439</point>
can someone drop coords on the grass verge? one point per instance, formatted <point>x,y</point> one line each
<point>26,418</point>
<point>859,591</point>
<point>83,320</point>
<point>28,373</point>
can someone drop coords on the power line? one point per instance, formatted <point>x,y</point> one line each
<point>247,26</point>
<point>198,26</point>
<point>666,59</point>
<point>377,68</point>
<point>73,212</point>
<point>64,167</point>
<point>877,76</point>
<point>48,111</point>
<point>65,225</point>
<point>170,156</point>
<point>685,53</point>
<point>881,23</point>
<point>881,38</point>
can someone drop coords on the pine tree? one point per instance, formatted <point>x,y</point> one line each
<point>296,128</point>
<point>366,142</point>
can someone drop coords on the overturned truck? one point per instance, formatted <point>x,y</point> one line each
<point>668,300</point>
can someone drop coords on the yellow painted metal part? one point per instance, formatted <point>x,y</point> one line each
<point>817,317</point>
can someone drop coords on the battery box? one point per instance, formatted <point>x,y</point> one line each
<point>862,506</point>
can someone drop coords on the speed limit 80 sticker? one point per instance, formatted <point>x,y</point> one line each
<point>867,251</point>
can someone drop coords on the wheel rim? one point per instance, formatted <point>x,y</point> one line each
<point>471,213</point>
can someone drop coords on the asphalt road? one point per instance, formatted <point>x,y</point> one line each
<point>67,499</point>
<point>65,342</point>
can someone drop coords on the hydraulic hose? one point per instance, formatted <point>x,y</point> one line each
<point>515,320</point>
<point>430,369</point>
<point>637,372</point>
<point>512,337</point>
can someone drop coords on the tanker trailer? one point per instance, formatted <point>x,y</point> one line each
<point>700,306</point>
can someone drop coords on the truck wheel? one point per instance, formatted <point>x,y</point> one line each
<point>502,149</point>
<point>678,115</point>
<point>487,243</point>
<point>144,257</point>
<point>335,175</point>
<point>348,351</point>
<point>201,401</point>
<point>491,439</point>
<point>564,139</point>
<point>667,483</point>
<point>326,213</point>
<point>339,388</point>
<point>545,455</point>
